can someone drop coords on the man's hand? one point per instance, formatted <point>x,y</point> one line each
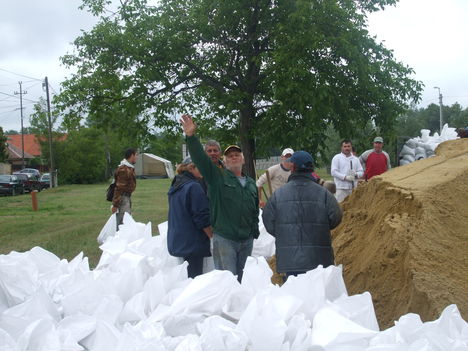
<point>261,204</point>
<point>114,209</point>
<point>351,174</point>
<point>209,232</point>
<point>188,124</point>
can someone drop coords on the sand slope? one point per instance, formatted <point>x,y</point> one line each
<point>404,237</point>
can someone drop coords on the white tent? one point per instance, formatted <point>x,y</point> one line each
<point>152,166</point>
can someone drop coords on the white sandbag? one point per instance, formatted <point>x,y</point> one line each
<point>330,328</point>
<point>39,305</point>
<point>41,335</point>
<point>190,343</point>
<point>322,283</point>
<point>14,290</point>
<point>299,334</point>
<point>217,333</point>
<point>264,245</point>
<point>142,336</point>
<point>412,143</point>
<point>334,283</point>
<point>404,162</point>
<point>265,319</point>
<point>409,158</point>
<point>357,308</point>
<point>425,135</point>
<point>257,275</point>
<point>104,338</point>
<point>134,309</point>
<point>206,293</point>
<point>406,150</point>
<point>109,229</point>
<point>420,153</point>
<point>7,342</point>
<point>78,326</point>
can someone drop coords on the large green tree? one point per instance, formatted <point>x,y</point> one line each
<point>264,72</point>
<point>38,120</point>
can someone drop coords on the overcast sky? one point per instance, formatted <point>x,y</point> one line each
<point>428,35</point>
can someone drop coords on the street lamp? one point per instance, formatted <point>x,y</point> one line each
<point>440,107</point>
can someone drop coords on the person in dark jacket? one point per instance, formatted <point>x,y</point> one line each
<point>300,216</point>
<point>189,229</point>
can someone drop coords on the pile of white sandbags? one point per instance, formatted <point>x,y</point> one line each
<point>139,299</point>
<point>424,146</point>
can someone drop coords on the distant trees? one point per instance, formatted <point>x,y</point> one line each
<point>415,119</point>
<point>3,147</point>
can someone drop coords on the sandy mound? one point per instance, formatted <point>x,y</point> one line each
<point>404,237</point>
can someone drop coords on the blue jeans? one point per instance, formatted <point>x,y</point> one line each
<point>229,255</point>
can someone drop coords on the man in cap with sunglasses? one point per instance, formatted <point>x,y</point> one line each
<point>233,202</point>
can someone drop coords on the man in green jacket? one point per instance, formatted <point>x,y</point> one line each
<point>233,202</point>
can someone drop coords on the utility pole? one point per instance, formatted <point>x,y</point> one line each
<point>440,108</point>
<point>21,93</point>
<point>51,156</point>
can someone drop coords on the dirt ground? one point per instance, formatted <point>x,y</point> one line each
<point>404,237</point>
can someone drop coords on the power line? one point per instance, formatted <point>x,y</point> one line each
<point>32,85</point>
<point>18,97</point>
<point>21,75</point>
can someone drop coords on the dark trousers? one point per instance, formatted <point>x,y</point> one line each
<point>195,265</point>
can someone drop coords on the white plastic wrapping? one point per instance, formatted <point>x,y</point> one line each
<point>139,298</point>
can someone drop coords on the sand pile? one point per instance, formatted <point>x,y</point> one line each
<point>404,237</point>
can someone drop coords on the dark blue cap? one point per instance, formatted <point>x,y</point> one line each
<point>302,160</point>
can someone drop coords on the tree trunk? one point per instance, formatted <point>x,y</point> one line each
<point>247,115</point>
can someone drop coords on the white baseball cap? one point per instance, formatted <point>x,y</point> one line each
<point>287,151</point>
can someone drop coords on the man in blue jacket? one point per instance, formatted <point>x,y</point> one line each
<point>300,216</point>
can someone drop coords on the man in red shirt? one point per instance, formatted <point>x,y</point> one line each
<point>375,161</point>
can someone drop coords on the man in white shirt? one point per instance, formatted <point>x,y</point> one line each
<point>345,169</point>
<point>279,175</point>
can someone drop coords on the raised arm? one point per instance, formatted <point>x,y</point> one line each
<point>206,167</point>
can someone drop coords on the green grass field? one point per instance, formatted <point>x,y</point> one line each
<point>70,217</point>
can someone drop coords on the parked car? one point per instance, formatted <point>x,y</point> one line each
<point>45,181</point>
<point>10,185</point>
<point>30,181</point>
<point>31,172</point>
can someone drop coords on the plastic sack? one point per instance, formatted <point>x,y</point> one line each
<point>412,143</point>
<point>264,245</point>
<point>109,229</point>
<point>265,319</point>
<point>330,328</point>
<point>409,158</point>
<point>425,135</point>
<point>257,275</point>
<point>406,150</point>
<point>217,333</point>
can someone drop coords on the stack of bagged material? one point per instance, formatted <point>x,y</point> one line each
<point>424,146</point>
<point>139,298</point>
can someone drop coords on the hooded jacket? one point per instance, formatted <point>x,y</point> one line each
<point>300,216</point>
<point>188,215</point>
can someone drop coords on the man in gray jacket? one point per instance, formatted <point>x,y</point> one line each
<point>300,216</point>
